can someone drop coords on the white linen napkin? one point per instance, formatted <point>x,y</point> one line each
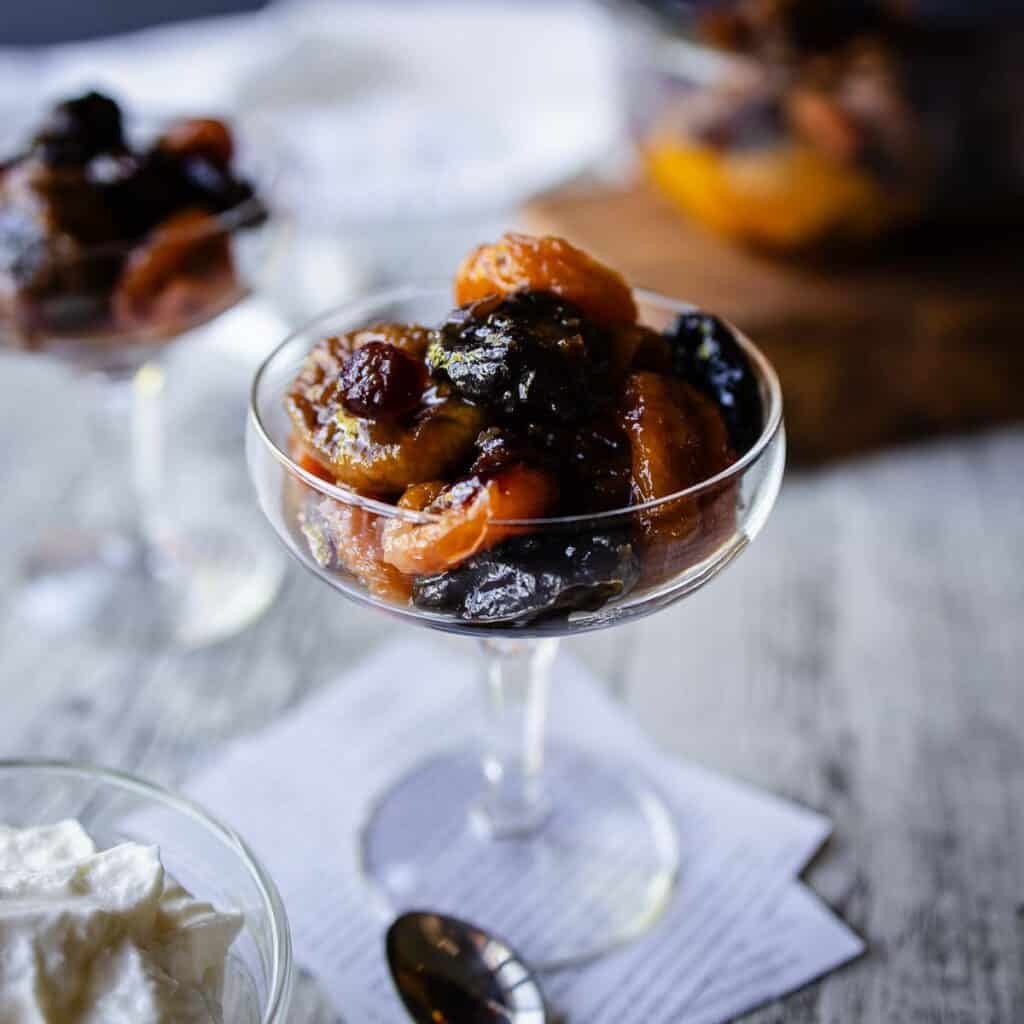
<point>740,929</point>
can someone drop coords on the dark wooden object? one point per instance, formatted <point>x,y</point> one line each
<point>918,343</point>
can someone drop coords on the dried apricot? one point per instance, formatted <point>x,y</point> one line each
<point>678,440</point>
<point>178,276</point>
<point>308,461</point>
<point>347,536</point>
<point>199,136</point>
<point>547,264</point>
<point>386,454</point>
<point>462,518</point>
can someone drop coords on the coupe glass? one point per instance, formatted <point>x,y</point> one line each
<point>118,565</point>
<point>210,860</point>
<point>589,841</point>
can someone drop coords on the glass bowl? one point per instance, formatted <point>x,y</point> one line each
<point>585,837</point>
<point>117,564</point>
<point>207,857</point>
<point>326,526</point>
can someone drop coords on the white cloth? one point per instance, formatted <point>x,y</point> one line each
<point>740,929</point>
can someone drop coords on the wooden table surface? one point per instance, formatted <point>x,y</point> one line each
<point>864,657</point>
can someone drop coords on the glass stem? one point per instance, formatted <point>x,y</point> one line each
<point>127,427</point>
<point>516,681</point>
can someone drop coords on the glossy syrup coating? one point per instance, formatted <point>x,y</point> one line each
<point>379,455</point>
<point>558,413</point>
<point>463,517</point>
<point>529,355</point>
<point>535,576</point>
<point>547,264</point>
<point>678,440</point>
<point>381,380</point>
<point>705,353</point>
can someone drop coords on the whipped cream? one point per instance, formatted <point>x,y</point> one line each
<point>91,936</point>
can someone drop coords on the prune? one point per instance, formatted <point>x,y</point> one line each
<point>635,347</point>
<point>77,130</point>
<point>705,353</point>
<point>597,467</point>
<point>498,447</point>
<point>162,183</point>
<point>591,459</point>
<point>530,354</point>
<point>535,576</point>
<point>379,379</point>
<point>547,264</point>
<point>463,517</point>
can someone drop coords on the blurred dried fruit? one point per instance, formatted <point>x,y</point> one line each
<point>178,276</point>
<point>531,577</point>
<point>199,136</point>
<point>547,264</point>
<point>76,130</point>
<point>73,208</point>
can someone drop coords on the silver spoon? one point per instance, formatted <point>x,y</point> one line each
<point>450,972</point>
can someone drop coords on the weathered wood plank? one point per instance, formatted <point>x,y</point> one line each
<point>863,657</point>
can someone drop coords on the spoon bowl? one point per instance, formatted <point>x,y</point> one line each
<point>449,972</point>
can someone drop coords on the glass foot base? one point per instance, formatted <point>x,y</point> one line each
<point>597,873</point>
<point>189,590</point>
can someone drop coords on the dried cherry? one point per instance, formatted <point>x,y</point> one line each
<point>379,379</point>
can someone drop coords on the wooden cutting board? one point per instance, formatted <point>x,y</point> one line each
<point>917,343</point>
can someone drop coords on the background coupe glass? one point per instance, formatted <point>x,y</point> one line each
<point>592,840</point>
<point>119,566</point>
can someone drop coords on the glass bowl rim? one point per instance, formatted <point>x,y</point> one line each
<point>242,215</point>
<point>765,370</point>
<point>281,941</point>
